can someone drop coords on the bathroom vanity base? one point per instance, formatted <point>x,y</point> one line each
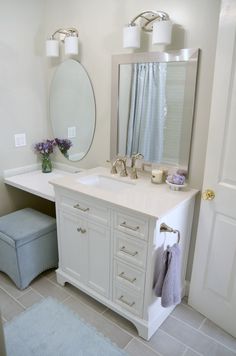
<point>110,252</point>
<point>144,329</point>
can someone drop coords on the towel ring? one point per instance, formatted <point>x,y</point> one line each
<point>166,228</point>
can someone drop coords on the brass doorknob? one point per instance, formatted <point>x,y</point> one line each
<point>208,194</point>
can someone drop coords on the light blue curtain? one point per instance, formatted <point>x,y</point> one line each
<point>147,111</point>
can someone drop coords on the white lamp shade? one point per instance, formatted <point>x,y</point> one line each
<point>71,45</point>
<point>162,32</point>
<point>52,48</point>
<point>131,37</point>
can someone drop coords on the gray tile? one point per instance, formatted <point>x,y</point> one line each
<point>85,298</point>
<point>217,333</point>
<point>47,289</point>
<point>195,339</point>
<point>122,322</point>
<point>108,329</point>
<point>7,284</point>
<point>9,307</point>
<point>188,315</point>
<point>135,348</point>
<point>191,353</point>
<point>30,298</point>
<point>165,344</point>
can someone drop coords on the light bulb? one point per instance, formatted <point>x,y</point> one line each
<point>52,48</point>
<point>71,45</point>
<point>131,36</point>
<point>162,32</point>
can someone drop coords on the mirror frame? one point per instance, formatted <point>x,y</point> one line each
<point>182,55</point>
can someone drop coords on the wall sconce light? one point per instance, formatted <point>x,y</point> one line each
<point>70,38</point>
<point>157,22</point>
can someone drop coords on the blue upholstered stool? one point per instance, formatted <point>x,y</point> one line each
<point>28,245</point>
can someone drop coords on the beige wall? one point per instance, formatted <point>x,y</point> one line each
<point>25,24</point>
<point>22,92</point>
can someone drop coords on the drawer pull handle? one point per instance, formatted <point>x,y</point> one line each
<point>125,301</point>
<point>122,275</point>
<point>123,249</point>
<point>77,206</point>
<point>80,229</point>
<point>133,228</point>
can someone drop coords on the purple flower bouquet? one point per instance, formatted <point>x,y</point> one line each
<point>45,148</point>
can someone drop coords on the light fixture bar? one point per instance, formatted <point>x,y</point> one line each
<point>154,21</point>
<point>151,16</point>
<point>70,39</point>
<point>66,32</point>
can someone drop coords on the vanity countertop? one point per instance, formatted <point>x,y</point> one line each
<point>36,182</point>
<point>140,195</point>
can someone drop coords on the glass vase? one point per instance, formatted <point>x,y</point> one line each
<point>46,164</point>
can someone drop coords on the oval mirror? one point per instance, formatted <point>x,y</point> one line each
<point>72,110</point>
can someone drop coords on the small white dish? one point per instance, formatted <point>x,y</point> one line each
<point>176,186</point>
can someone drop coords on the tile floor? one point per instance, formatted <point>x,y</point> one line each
<point>185,333</point>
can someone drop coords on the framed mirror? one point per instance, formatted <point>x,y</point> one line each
<point>72,110</point>
<point>153,105</point>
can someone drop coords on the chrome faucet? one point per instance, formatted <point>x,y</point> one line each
<point>119,160</point>
<point>133,173</point>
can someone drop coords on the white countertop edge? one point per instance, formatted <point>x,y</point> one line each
<point>126,199</point>
<point>32,180</point>
<point>31,191</point>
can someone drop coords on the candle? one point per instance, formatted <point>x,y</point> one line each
<point>157,176</point>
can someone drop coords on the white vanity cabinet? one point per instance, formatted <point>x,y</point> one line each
<point>84,242</point>
<point>110,251</point>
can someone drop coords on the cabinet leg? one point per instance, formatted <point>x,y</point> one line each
<point>143,331</point>
<point>60,280</point>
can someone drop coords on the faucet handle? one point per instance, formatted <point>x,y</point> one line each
<point>137,156</point>
<point>113,166</point>
<point>134,157</point>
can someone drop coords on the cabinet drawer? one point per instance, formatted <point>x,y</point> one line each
<point>130,250</point>
<point>128,276</point>
<point>128,300</point>
<point>131,224</point>
<point>85,208</point>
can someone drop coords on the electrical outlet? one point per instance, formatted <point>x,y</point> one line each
<point>71,132</point>
<point>20,140</point>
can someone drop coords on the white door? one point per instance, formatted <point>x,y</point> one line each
<point>213,282</point>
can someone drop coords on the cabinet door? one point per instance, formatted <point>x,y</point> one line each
<point>98,258</point>
<point>73,246</point>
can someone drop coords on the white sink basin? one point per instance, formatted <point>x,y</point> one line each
<point>105,182</point>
